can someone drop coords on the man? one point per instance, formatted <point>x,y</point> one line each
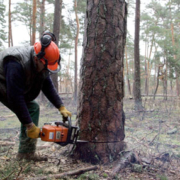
<point>24,72</point>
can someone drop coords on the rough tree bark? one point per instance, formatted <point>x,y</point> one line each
<point>100,110</point>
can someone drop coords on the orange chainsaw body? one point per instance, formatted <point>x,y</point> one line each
<point>53,133</point>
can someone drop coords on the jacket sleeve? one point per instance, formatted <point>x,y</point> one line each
<point>50,92</point>
<point>15,82</point>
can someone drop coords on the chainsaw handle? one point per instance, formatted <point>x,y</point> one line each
<point>57,123</point>
<point>65,119</point>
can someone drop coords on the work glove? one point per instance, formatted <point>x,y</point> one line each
<point>64,112</point>
<point>33,132</point>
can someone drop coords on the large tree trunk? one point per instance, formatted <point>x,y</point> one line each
<point>100,110</point>
<point>56,31</point>
<point>137,80</point>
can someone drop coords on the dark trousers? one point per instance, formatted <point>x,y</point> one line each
<point>28,145</point>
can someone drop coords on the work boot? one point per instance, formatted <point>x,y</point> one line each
<point>30,157</point>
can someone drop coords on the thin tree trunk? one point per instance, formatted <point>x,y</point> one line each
<point>148,61</point>
<point>171,85</point>
<point>69,62</point>
<point>57,19</point>
<point>42,7</point>
<point>41,30</point>
<point>34,23</point>
<point>127,71</point>
<point>137,80</point>
<point>10,39</point>
<point>30,29</point>
<point>76,52</point>
<point>173,43</point>
<point>176,71</point>
<point>165,85</point>
<point>157,84</point>
<point>177,82</point>
<point>146,70</point>
<point>56,31</point>
<point>165,81</point>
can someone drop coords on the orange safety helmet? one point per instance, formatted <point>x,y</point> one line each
<point>48,52</point>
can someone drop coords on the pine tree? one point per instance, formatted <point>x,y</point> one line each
<point>100,112</point>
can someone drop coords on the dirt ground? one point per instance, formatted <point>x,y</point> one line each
<point>152,139</point>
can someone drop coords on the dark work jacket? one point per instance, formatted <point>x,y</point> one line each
<point>33,81</point>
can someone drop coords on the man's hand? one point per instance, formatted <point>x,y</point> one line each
<point>64,112</point>
<point>32,131</point>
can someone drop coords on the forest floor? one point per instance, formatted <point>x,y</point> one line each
<point>152,135</point>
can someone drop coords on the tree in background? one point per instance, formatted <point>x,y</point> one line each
<point>10,39</point>
<point>160,31</point>
<point>100,107</point>
<point>76,52</point>
<point>129,54</point>
<point>56,31</point>
<point>42,17</point>
<point>33,39</point>
<point>148,27</point>
<point>137,80</point>
<point>129,63</point>
<point>76,28</point>
<point>23,13</point>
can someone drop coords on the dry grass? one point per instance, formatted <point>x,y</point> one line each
<point>153,135</point>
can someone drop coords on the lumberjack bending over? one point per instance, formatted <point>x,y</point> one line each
<point>24,72</point>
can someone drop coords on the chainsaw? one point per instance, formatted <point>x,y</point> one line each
<point>60,132</point>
